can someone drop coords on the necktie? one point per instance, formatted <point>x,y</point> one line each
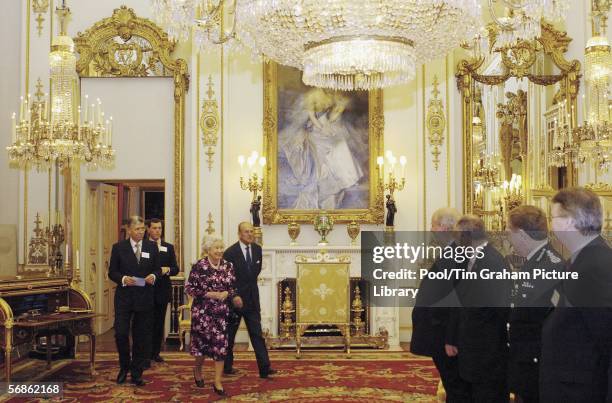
<point>249,261</point>
<point>138,252</point>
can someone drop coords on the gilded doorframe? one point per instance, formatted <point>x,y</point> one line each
<point>98,48</point>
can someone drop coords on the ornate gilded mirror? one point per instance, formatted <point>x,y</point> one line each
<point>518,103</point>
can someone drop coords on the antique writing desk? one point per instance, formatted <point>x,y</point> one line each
<point>45,295</point>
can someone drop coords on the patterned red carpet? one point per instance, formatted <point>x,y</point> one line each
<point>317,379</point>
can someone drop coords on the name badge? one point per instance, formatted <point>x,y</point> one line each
<point>163,248</point>
<point>145,255</point>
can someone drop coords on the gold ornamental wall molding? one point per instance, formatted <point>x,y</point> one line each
<point>517,61</point>
<point>40,7</point>
<point>209,122</point>
<point>125,45</point>
<point>436,123</point>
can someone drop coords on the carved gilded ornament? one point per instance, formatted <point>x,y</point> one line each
<point>210,229</point>
<point>436,123</point>
<point>209,122</point>
<point>125,45</point>
<point>40,7</point>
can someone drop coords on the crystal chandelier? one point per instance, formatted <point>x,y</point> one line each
<point>486,171</point>
<point>564,149</point>
<point>594,135</point>
<point>51,129</point>
<point>339,44</point>
<point>523,18</point>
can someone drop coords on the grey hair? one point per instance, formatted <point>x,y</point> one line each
<point>209,241</point>
<point>446,216</point>
<point>135,219</point>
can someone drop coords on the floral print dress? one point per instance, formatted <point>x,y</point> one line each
<point>209,316</point>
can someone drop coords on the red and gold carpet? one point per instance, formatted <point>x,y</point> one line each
<point>321,378</point>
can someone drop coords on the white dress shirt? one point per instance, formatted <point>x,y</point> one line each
<point>135,249</point>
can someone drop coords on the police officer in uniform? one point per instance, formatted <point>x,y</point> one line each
<point>531,299</point>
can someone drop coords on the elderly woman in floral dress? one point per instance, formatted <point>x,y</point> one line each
<point>211,284</point>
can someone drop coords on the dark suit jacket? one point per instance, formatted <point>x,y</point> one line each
<point>430,324</point>
<point>246,279</point>
<point>163,286</point>
<point>531,305</point>
<point>480,325</point>
<point>577,335</point>
<point>124,263</point>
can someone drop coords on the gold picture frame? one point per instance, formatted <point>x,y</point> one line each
<point>275,214</point>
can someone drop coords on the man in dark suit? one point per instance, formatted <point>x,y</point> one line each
<point>430,317</point>
<point>134,266</point>
<point>163,287</point>
<point>246,256</point>
<point>577,336</point>
<point>477,333</point>
<point>531,300</point>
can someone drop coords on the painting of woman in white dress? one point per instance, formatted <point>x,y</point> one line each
<point>321,148</point>
<point>322,154</point>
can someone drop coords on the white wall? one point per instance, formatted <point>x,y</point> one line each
<point>10,78</point>
<point>143,134</point>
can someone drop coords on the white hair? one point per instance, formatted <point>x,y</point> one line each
<point>209,241</point>
<point>446,217</point>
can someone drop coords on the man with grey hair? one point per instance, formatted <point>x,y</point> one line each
<point>134,266</point>
<point>435,301</point>
<point>577,336</point>
<point>247,256</point>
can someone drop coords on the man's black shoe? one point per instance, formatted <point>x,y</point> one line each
<point>272,371</point>
<point>232,371</point>
<point>158,358</point>
<point>138,381</point>
<point>147,364</point>
<point>122,376</point>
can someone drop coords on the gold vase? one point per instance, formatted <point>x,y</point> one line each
<point>293,229</point>
<point>323,224</point>
<point>353,230</point>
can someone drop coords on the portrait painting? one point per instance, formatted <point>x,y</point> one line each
<point>321,147</point>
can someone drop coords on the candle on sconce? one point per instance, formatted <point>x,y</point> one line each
<point>241,163</point>
<point>380,161</point>
<point>76,263</point>
<point>66,255</point>
<point>21,108</point>
<point>584,109</point>
<point>14,128</point>
<point>85,111</point>
<point>92,117</point>
<point>110,132</point>
<point>99,111</point>
<point>262,164</point>
<point>107,130</point>
<point>403,162</point>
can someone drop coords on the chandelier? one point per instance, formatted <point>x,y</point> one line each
<point>594,135</point>
<point>522,19</point>
<point>339,44</point>
<point>52,130</point>
<point>564,149</point>
<point>486,171</point>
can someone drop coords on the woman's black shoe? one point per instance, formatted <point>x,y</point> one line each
<point>220,392</point>
<point>199,382</point>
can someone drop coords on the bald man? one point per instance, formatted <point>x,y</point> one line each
<point>246,256</point>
